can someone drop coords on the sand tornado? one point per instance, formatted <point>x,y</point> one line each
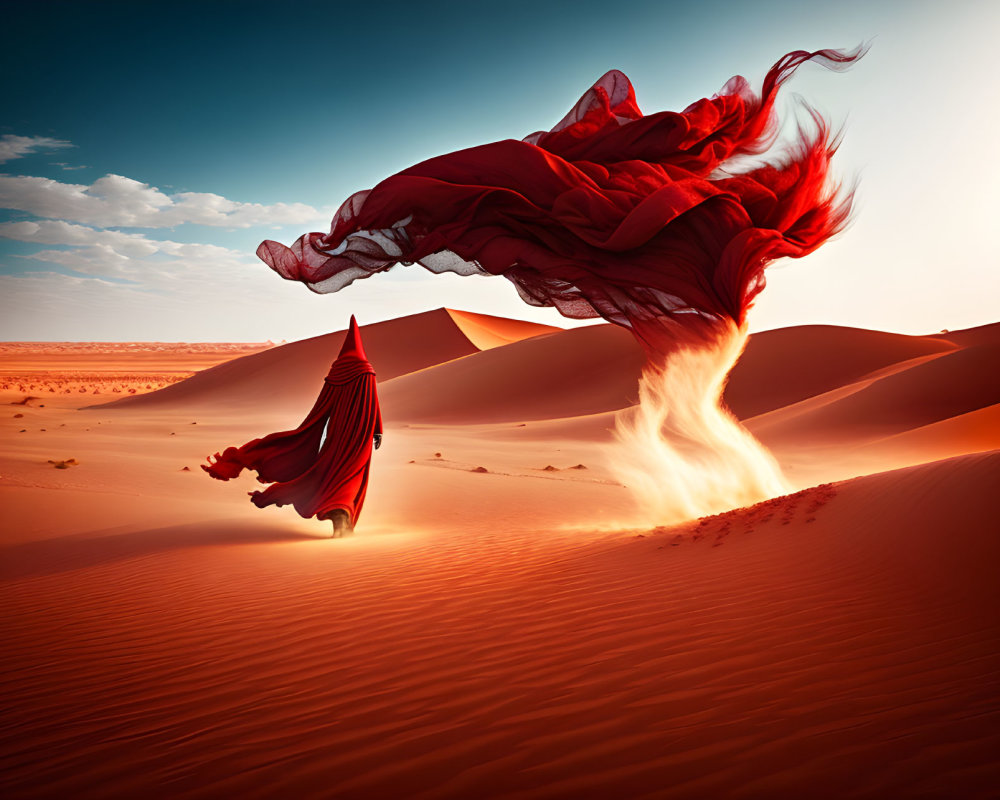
<point>661,223</point>
<point>680,451</point>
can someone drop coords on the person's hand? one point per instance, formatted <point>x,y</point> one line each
<point>378,440</point>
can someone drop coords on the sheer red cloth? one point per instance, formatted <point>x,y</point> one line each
<point>661,223</point>
<point>324,463</point>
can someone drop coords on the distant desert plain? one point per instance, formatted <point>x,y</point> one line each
<point>499,625</point>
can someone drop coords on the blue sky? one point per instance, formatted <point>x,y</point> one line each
<point>150,146</point>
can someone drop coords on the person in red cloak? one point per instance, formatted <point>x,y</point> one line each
<point>322,466</point>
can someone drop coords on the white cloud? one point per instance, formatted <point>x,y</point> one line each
<point>98,252</point>
<point>59,232</point>
<point>188,259</point>
<point>12,146</point>
<point>187,271</point>
<point>117,201</point>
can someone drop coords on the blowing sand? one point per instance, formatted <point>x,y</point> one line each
<point>504,632</point>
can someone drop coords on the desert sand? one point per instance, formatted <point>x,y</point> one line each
<point>53,370</point>
<point>496,627</point>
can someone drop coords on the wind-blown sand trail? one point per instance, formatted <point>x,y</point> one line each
<point>505,633</point>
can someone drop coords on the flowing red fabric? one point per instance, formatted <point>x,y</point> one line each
<point>657,223</point>
<point>318,475</point>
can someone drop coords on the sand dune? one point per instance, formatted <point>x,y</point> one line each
<point>596,369</point>
<point>974,432</point>
<point>579,371</point>
<point>983,334</point>
<point>954,384</point>
<point>850,651</point>
<point>788,365</point>
<point>395,347</point>
<point>487,332</point>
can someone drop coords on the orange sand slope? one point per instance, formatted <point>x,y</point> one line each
<point>786,366</point>
<point>954,383</point>
<point>566,374</point>
<point>838,643</point>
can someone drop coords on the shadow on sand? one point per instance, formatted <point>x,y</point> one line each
<point>50,556</point>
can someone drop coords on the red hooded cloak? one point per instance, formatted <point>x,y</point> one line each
<point>323,464</point>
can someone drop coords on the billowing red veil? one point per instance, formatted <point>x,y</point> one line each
<point>657,223</point>
<point>323,464</point>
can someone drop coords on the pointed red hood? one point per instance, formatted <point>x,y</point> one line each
<point>352,360</point>
<point>352,342</point>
